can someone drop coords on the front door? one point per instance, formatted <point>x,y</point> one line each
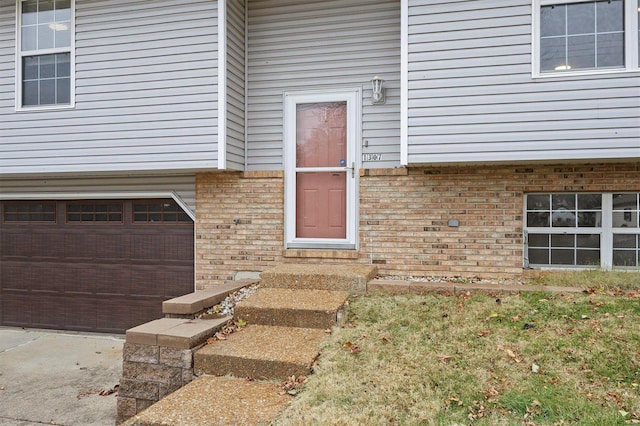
<point>321,170</point>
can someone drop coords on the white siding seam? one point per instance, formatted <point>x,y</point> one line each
<point>222,84</point>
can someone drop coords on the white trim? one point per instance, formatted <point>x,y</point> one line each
<point>18,63</point>
<point>99,196</point>
<point>222,84</point>
<point>630,41</point>
<point>404,82</point>
<point>246,83</point>
<point>353,97</point>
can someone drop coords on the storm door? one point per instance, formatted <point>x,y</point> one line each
<point>321,170</point>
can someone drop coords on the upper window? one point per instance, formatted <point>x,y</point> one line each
<point>577,36</point>
<point>45,54</point>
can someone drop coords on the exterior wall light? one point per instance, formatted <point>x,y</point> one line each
<point>377,85</point>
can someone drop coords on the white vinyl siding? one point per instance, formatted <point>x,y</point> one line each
<point>235,84</point>
<point>471,96</point>
<point>299,45</point>
<point>45,187</point>
<point>146,92</point>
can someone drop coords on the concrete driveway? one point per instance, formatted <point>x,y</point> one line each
<point>56,378</point>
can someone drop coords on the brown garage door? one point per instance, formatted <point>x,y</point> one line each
<point>98,265</point>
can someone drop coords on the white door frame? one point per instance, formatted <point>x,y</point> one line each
<point>353,98</point>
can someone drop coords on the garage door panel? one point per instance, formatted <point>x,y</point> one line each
<point>79,245</point>
<point>114,246</point>
<point>80,313</point>
<point>43,243</point>
<point>46,277</point>
<point>114,315</point>
<point>46,310</point>
<point>93,275</point>
<point>113,280</point>
<point>16,308</point>
<point>16,244</point>
<point>79,279</point>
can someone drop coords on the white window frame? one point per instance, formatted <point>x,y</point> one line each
<point>606,232</point>
<point>20,55</point>
<point>630,41</point>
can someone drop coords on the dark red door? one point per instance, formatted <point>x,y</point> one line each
<point>321,187</point>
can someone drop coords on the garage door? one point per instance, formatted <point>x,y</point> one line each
<point>98,265</point>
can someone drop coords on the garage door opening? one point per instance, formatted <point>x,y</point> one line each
<point>92,265</point>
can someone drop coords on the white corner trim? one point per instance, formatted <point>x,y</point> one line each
<point>404,82</point>
<point>222,84</point>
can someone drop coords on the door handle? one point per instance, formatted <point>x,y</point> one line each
<point>352,168</point>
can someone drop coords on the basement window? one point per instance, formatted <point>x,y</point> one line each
<point>582,230</point>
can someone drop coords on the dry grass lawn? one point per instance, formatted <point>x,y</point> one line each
<point>530,359</point>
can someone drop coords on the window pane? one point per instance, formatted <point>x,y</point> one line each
<point>625,219</point>
<point>62,34</point>
<point>624,258</point>
<point>539,256</point>
<point>45,37</point>
<point>45,11</point>
<point>610,50</point>
<point>589,220</point>
<point>553,54</point>
<point>560,240</point>
<point>29,38</point>
<point>610,15</point>
<point>537,202</point>
<point>29,12</point>
<point>589,201</point>
<point>588,257</point>
<point>588,241</point>
<point>624,241</point>
<point>30,93</point>
<point>562,257</point>
<point>63,66</point>
<point>538,240</point>
<point>47,66</point>
<point>581,18</point>
<point>30,67</point>
<point>47,92</point>
<point>564,201</point>
<point>63,91</point>
<point>563,219</point>
<point>581,52</point>
<point>624,201</point>
<point>552,20</point>
<point>538,219</point>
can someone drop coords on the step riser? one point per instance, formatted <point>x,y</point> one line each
<point>289,317</point>
<point>352,278</point>
<point>218,365</point>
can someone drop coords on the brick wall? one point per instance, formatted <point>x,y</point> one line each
<point>404,218</point>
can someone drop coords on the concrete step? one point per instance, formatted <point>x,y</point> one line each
<point>293,308</point>
<point>191,304</point>
<point>352,278</point>
<point>212,401</point>
<point>261,352</point>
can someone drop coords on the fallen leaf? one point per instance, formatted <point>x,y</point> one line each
<point>444,358</point>
<point>484,333</point>
<point>510,353</point>
<point>384,340</point>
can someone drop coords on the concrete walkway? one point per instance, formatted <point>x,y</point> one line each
<point>55,378</point>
